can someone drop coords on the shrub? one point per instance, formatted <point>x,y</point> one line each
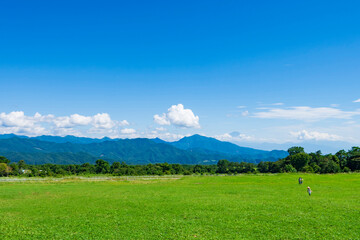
<point>308,169</point>
<point>289,168</point>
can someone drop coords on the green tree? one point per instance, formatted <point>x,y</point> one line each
<point>263,167</point>
<point>316,157</point>
<point>21,164</point>
<point>178,169</point>
<point>115,167</point>
<point>14,169</point>
<point>275,167</point>
<point>289,168</point>
<point>330,167</point>
<point>4,169</point>
<point>86,168</point>
<point>299,160</point>
<point>354,151</point>
<point>343,156</point>
<point>4,160</point>
<point>198,169</point>
<point>295,150</point>
<point>102,166</point>
<point>223,166</point>
<point>315,167</point>
<point>354,163</point>
<point>354,159</point>
<point>248,167</point>
<point>165,167</point>
<point>308,169</point>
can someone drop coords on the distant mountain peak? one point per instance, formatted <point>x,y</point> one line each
<point>196,136</point>
<point>158,140</point>
<point>212,144</point>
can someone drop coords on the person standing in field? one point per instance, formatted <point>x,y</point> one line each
<point>309,190</point>
<point>300,180</point>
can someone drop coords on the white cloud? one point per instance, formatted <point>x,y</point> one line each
<point>278,104</point>
<point>28,131</point>
<point>103,120</point>
<point>306,113</point>
<point>307,135</point>
<point>179,116</point>
<point>77,119</point>
<point>161,129</point>
<point>17,119</point>
<point>161,120</point>
<point>124,123</point>
<point>128,131</point>
<point>63,122</point>
<point>19,123</point>
<point>357,101</point>
<point>100,120</point>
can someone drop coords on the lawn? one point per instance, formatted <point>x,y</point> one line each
<point>190,207</point>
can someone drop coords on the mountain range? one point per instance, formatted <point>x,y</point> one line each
<point>195,149</point>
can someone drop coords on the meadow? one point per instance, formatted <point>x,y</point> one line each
<point>244,206</point>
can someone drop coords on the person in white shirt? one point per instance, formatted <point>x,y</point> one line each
<point>309,191</point>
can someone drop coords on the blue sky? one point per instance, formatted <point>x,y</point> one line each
<point>242,71</point>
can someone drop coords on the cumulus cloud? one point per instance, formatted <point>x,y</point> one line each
<point>161,120</point>
<point>72,120</point>
<point>103,120</point>
<point>314,135</point>
<point>77,119</point>
<point>306,113</point>
<point>28,131</point>
<point>124,123</point>
<point>357,101</point>
<point>17,119</point>
<point>128,131</point>
<point>19,123</point>
<point>63,122</point>
<point>178,116</point>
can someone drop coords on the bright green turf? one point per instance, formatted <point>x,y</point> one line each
<point>204,207</point>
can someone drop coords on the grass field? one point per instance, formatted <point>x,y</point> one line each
<point>191,207</point>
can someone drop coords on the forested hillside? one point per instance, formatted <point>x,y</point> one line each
<point>72,150</point>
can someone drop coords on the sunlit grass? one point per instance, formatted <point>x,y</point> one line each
<point>202,207</point>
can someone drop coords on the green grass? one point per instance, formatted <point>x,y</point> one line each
<point>203,207</point>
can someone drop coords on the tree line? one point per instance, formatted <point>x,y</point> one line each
<point>296,161</point>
